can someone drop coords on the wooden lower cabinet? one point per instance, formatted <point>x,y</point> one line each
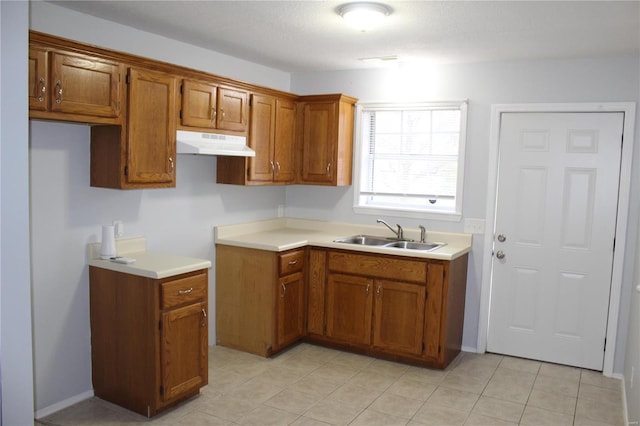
<point>399,308</point>
<point>259,298</point>
<point>395,307</point>
<point>149,346</point>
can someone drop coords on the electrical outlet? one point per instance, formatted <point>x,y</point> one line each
<point>118,228</point>
<point>474,226</point>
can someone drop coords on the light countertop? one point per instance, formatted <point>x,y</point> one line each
<point>148,264</point>
<point>287,233</point>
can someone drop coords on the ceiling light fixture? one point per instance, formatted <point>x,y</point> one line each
<point>364,16</point>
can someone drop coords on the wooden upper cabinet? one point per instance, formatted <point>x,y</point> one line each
<point>209,106</point>
<point>198,104</point>
<point>73,87</point>
<point>327,139</point>
<point>140,154</point>
<point>262,133</point>
<point>38,75</point>
<point>151,127</point>
<point>285,143</point>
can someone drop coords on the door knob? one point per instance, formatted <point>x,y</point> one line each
<point>500,254</point>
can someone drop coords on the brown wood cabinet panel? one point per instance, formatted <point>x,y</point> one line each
<point>291,312</point>
<point>433,310</point>
<point>285,141</point>
<point>184,350</point>
<point>182,291</point>
<point>292,261</point>
<point>316,279</point>
<point>151,149</point>
<point>38,84</point>
<point>145,358</point>
<point>399,316</point>
<point>84,85</point>
<point>232,109</point>
<point>320,131</point>
<point>349,307</point>
<point>198,104</point>
<point>262,131</point>
<point>378,266</point>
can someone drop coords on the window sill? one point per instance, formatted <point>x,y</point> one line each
<point>414,214</point>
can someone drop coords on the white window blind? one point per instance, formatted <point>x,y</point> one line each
<point>411,157</point>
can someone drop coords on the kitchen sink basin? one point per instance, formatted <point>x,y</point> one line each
<point>365,240</point>
<point>413,245</point>
<point>368,240</point>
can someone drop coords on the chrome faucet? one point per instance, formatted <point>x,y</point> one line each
<point>423,234</point>
<point>399,233</point>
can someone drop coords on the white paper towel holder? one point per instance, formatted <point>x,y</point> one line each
<point>108,246</point>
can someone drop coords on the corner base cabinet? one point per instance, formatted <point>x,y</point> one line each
<point>148,338</point>
<point>260,298</point>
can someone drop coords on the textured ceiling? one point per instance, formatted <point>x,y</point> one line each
<point>296,36</point>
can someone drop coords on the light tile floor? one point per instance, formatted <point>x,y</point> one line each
<point>312,385</point>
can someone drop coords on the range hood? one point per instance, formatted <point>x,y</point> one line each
<point>212,144</point>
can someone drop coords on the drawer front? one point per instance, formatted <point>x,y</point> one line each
<point>379,266</point>
<point>183,290</point>
<point>290,262</point>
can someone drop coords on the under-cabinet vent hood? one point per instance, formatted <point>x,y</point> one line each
<point>212,144</point>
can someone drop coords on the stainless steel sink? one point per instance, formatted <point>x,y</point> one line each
<point>368,240</point>
<point>413,245</point>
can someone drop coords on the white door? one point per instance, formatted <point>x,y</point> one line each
<point>556,208</point>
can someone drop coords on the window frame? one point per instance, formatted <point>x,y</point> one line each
<point>455,215</point>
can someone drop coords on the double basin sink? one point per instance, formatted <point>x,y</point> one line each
<point>369,240</point>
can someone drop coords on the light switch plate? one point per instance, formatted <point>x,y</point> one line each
<point>474,226</point>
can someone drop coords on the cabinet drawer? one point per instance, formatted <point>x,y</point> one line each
<point>290,262</point>
<point>378,266</point>
<point>184,290</point>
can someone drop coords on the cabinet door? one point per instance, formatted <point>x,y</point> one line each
<point>318,142</point>
<point>399,316</point>
<point>349,308</point>
<point>291,312</point>
<point>285,148</point>
<point>315,307</point>
<point>84,85</point>
<point>184,350</point>
<point>198,104</point>
<point>38,72</point>
<point>433,310</point>
<point>151,122</point>
<point>232,110</point>
<point>262,131</point>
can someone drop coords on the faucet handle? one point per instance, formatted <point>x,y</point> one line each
<point>423,234</point>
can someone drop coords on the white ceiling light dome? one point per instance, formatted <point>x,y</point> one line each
<point>364,16</point>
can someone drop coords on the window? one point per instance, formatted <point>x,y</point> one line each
<point>410,159</point>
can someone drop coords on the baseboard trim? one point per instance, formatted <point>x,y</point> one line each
<point>44,412</point>
<point>469,349</point>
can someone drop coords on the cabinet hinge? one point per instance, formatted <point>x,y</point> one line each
<point>126,170</point>
<point>161,390</point>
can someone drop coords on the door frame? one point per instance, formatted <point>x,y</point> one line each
<point>624,190</point>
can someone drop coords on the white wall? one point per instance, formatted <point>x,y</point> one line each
<point>66,213</point>
<point>632,361</point>
<point>584,80</point>
<point>16,388</point>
